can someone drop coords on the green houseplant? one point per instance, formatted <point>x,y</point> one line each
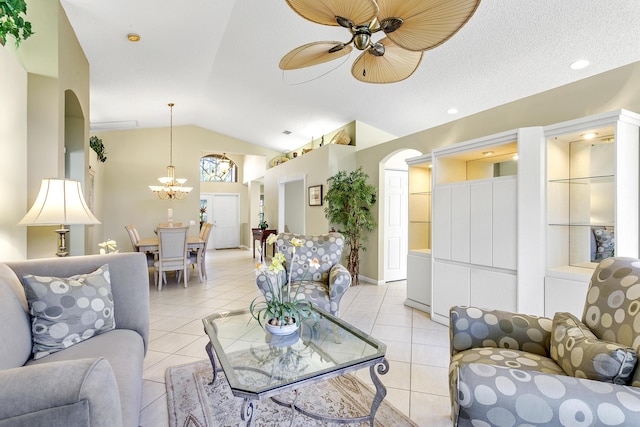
<point>96,145</point>
<point>349,201</point>
<point>12,22</point>
<point>280,310</point>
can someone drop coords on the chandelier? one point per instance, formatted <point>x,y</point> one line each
<point>171,187</point>
<point>224,165</point>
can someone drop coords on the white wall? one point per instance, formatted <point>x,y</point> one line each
<point>135,160</point>
<point>315,166</point>
<point>13,161</point>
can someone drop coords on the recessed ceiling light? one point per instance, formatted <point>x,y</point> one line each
<point>133,37</point>
<point>579,64</point>
<point>452,111</point>
<point>589,135</point>
<point>487,153</point>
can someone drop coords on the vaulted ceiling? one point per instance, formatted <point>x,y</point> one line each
<point>217,60</point>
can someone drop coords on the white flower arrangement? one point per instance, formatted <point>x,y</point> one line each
<point>281,308</point>
<point>108,247</point>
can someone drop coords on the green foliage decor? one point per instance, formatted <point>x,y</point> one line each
<point>12,21</point>
<point>96,144</point>
<point>349,201</point>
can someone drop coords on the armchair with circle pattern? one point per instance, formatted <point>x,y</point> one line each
<point>323,287</point>
<point>511,369</point>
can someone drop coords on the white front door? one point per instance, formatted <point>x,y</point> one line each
<point>225,218</point>
<point>395,222</point>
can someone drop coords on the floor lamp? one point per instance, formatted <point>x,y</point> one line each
<point>60,202</point>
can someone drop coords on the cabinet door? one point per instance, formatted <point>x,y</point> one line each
<point>493,290</point>
<point>451,287</point>
<point>481,232</point>
<point>505,224</point>
<point>460,222</point>
<point>442,222</point>
<point>419,278</point>
<point>565,295</point>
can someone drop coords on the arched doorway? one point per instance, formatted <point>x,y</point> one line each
<point>394,214</point>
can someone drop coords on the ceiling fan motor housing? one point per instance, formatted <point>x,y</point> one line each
<point>361,37</point>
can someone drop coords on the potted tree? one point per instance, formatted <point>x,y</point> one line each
<point>12,22</point>
<point>349,200</point>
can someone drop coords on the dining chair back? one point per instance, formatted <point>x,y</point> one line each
<point>172,254</point>
<point>205,231</point>
<point>135,238</point>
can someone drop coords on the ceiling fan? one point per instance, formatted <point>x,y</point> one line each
<point>410,26</point>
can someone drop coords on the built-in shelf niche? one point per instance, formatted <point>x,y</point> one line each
<point>581,197</point>
<point>480,163</point>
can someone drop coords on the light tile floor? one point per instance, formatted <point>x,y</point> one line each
<point>417,348</point>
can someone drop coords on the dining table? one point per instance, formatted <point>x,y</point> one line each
<point>150,244</point>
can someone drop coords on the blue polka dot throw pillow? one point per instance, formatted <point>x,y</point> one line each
<point>66,311</point>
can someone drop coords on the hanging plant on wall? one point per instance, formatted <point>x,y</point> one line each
<point>12,21</point>
<point>349,201</point>
<point>96,144</point>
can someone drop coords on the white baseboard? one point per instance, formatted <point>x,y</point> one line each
<point>369,280</point>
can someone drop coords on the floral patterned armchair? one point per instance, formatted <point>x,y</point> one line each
<point>324,286</point>
<point>516,369</point>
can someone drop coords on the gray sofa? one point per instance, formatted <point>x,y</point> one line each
<point>94,382</point>
<point>516,369</point>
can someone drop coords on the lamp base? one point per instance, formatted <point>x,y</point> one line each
<point>62,242</point>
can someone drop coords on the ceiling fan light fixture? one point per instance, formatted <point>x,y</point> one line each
<point>344,22</point>
<point>337,48</point>
<point>362,37</point>
<point>389,25</point>
<point>376,49</point>
<point>411,26</point>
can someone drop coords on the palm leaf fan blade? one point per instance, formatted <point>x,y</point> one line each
<point>312,54</point>
<point>325,11</point>
<point>426,23</point>
<point>395,65</point>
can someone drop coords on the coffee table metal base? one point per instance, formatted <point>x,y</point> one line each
<point>377,366</point>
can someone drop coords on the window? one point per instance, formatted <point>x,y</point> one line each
<point>218,168</point>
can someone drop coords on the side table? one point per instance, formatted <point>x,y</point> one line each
<point>261,236</point>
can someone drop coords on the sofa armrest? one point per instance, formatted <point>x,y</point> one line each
<point>129,283</point>
<point>339,281</point>
<point>79,392</point>
<point>537,398</point>
<point>472,327</point>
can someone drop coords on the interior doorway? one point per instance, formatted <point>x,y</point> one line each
<point>291,206</point>
<point>395,215</point>
<point>222,211</point>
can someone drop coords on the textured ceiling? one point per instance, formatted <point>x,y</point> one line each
<point>217,60</point>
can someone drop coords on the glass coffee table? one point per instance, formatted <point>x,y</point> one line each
<point>259,365</point>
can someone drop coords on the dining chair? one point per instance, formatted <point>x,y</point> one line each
<point>205,230</point>
<point>135,237</point>
<point>172,255</point>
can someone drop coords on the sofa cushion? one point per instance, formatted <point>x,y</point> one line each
<point>604,243</point>
<point>15,333</point>
<point>581,354</point>
<point>124,350</point>
<point>66,311</point>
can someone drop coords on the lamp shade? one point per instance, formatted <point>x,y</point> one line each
<point>59,201</point>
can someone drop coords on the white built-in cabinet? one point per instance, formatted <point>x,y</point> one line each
<point>475,212</point>
<point>515,215</point>
<point>592,202</point>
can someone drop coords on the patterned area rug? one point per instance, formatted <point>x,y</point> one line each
<point>193,402</point>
